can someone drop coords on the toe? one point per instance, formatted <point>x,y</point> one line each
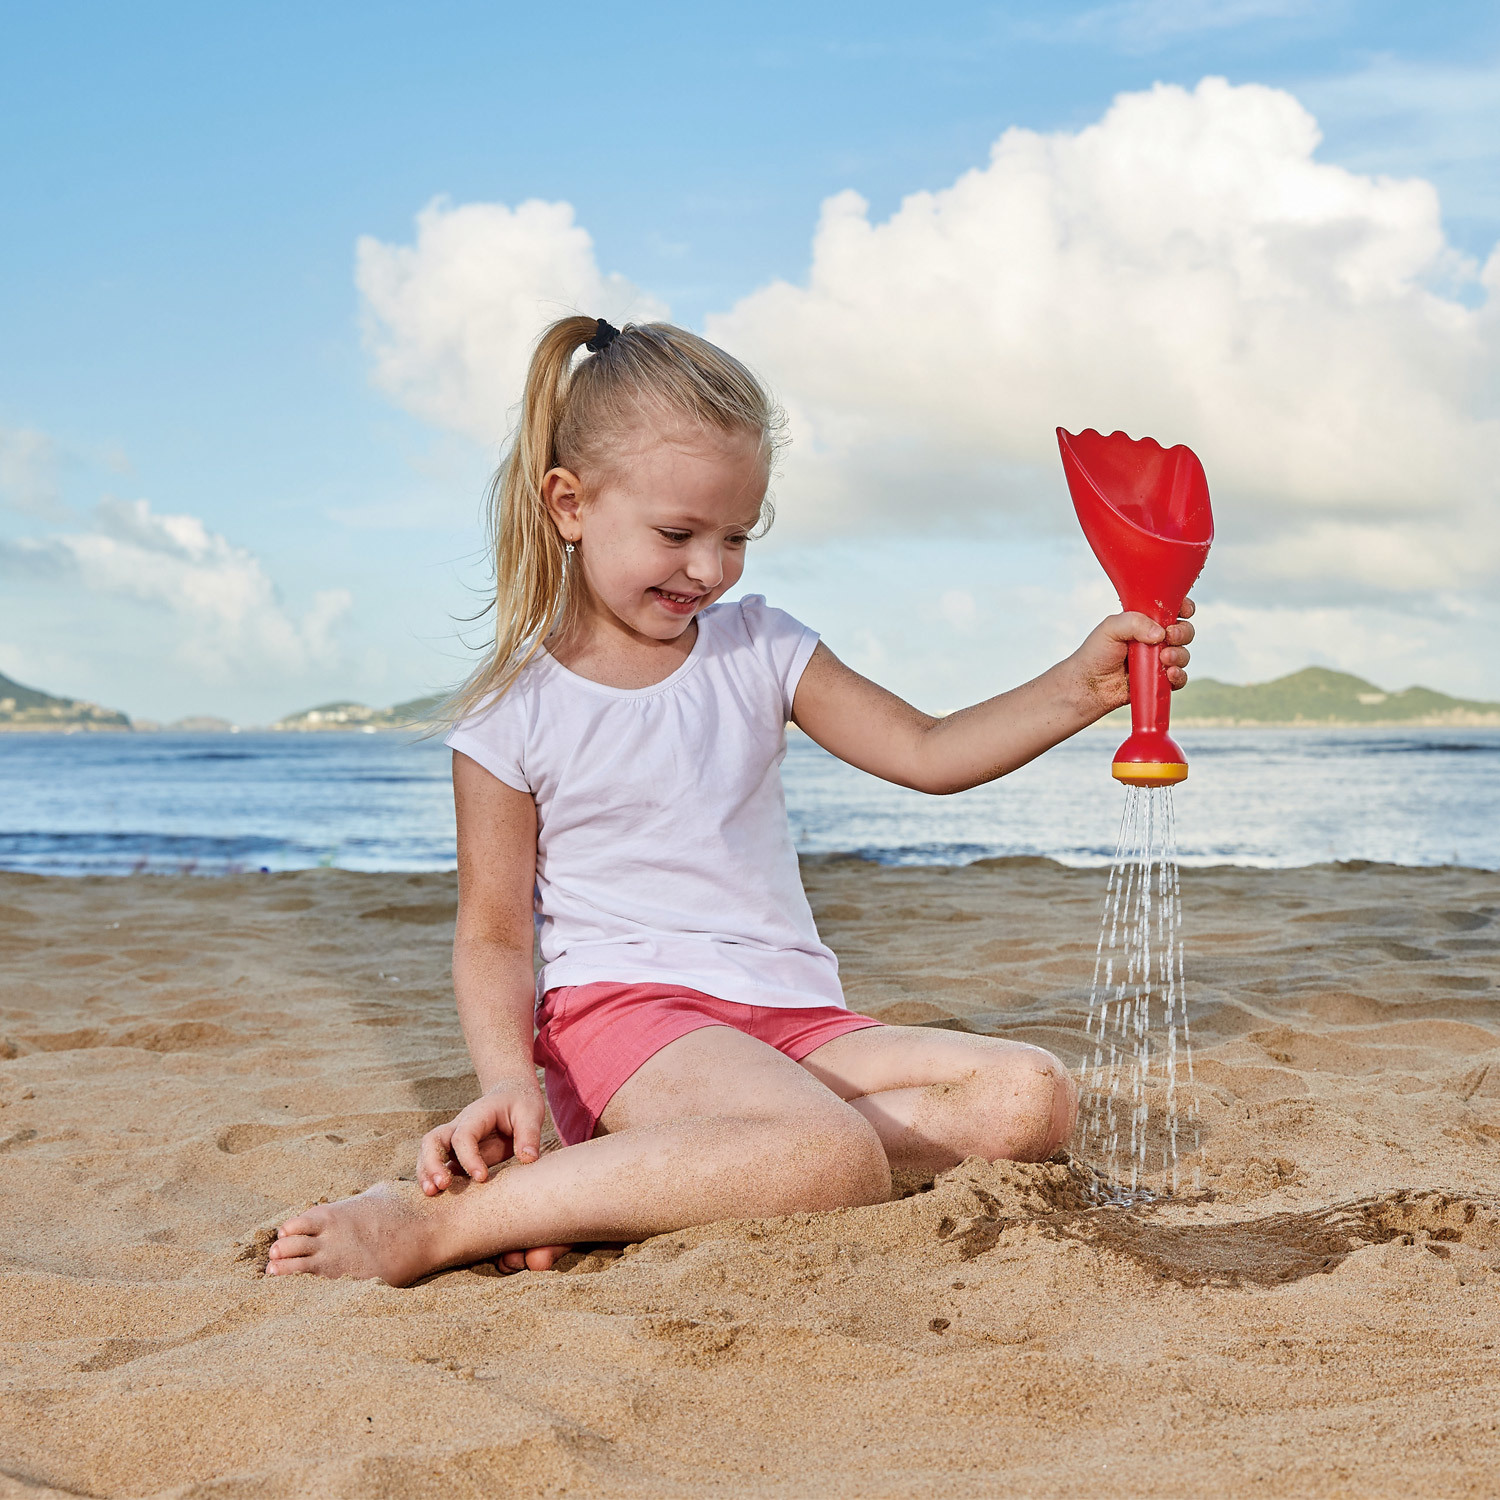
<point>290,1246</point>
<point>544,1257</point>
<point>290,1265</point>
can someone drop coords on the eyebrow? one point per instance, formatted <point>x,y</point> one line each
<point>697,523</point>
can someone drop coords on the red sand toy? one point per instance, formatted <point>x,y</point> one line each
<point>1145,512</point>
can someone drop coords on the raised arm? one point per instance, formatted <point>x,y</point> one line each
<point>493,979</point>
<point>862,723</point>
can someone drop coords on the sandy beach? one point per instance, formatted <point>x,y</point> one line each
<point>185,1061</point>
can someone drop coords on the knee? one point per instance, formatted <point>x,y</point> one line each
<point>1042,1107</point>
<point>842,1162</point>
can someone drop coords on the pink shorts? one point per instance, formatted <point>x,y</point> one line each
<point>591,1037</point>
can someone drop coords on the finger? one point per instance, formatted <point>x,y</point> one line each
<point>526,1129</point>
<point>432,1159</point>
<point>1135,626</point>
<point>1176,656</point>
<point>434,1146</point>
<point>1180,633</point>
<point>466,1146</point>
<point>1188,610</point>
<point>513,1260</point>
<point>1176,677</point>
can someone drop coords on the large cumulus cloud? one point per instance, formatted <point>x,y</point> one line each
<point>1186,267</point>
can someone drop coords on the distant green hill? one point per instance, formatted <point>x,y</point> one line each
<point>415,709</point>
<point>1317,695</point>
<point>1313,696</point>
<point>357,716</point>
<point>29,708</point>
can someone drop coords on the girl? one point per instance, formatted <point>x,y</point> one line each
<point>616,771</point>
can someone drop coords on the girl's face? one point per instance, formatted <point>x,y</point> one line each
<point>665,536</point>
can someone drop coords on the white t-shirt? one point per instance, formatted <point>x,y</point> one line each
<point>663,851</point>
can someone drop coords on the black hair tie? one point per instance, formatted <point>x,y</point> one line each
<point>604,335</point>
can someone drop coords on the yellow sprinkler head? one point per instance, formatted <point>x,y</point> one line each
<point>1149,773</point>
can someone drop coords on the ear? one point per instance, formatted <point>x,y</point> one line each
<point>561,494</point>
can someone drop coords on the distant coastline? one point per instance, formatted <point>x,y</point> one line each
<point>30,710</point>
<point>24,708</point>
<point>1314,698</point>
<point>345,716</point>
<point>1459,719</point>
<point>1319,698</point>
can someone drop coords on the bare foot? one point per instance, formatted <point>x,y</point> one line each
<point>383,1232</point>
<point>543,1258</point>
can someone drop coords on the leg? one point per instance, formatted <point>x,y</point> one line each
<point>715,1125</point>
<point>935,1097</point>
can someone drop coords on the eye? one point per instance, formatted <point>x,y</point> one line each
<point>737,541</point>
<point>674,536</point>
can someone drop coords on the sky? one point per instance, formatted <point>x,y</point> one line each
<point>270,272</point>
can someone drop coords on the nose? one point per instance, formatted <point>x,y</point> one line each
<point>704,564</point>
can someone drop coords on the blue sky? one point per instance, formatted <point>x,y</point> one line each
<point>184,188</point>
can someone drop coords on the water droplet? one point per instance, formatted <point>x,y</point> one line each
<point>1133,1111</point>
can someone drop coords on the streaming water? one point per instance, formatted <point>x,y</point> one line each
<point>1137,1126</point>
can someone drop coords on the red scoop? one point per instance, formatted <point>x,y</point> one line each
<point>1145,512</point>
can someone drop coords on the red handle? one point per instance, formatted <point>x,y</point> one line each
<point>1150,692</point>
<point>1150,757</point>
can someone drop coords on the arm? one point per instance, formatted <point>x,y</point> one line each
<point>493,979</point>
<point>862,723</point>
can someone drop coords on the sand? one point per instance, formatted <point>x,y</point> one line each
<point>188,1060</point>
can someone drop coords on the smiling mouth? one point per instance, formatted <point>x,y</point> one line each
<point>680,604</point>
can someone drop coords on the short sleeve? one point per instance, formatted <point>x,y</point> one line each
<point>495,736</point>
<point>784,643</point>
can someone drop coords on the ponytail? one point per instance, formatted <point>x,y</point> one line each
<point>568,418</point>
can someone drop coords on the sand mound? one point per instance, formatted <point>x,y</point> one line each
<point>184,1062</point>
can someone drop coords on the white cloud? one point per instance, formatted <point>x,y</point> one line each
<point>450,320</point>
<point>28,472</point>
<point>230,619</point>
<point>1184,268</point>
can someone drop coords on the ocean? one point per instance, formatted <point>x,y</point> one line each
<point>211,804</point>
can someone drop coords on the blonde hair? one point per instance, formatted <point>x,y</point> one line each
<point>573,418</point>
